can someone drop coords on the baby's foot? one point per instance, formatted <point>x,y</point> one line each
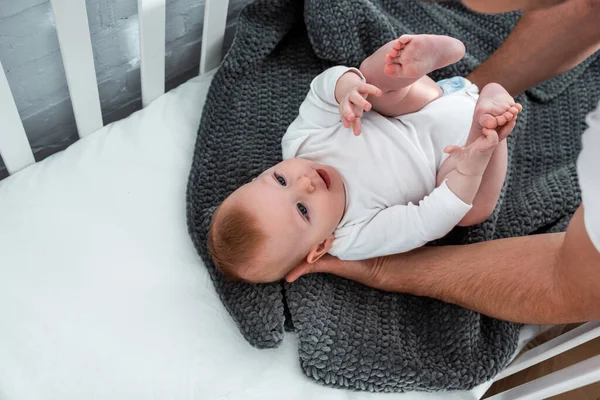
<point>414,56</point>
<point>495,109</point>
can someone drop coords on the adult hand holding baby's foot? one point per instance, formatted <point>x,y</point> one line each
<point>355,103</point>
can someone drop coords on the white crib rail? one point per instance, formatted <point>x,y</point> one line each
<point>581,374</point>
<point>551,348</point>
<point>14,146</point>
<point>78,59</point>
<point>564,380</point>
<point>215,22</point>
<point>76,49</point>
<point>152,16</point>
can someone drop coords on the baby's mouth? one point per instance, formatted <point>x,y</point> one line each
<point>325,176</point>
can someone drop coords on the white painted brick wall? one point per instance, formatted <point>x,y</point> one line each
<point>31,57</point>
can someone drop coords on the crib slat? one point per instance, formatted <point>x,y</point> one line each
<point>152,15</point>
<point>215,21</point>
<point>581,374</point>
<point>14,146</point>
<point>551,348</point>
<point>76,49</point>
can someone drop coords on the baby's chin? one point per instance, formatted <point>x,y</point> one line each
<point>338,189</point>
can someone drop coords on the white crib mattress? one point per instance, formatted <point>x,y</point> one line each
<point>102,294</point>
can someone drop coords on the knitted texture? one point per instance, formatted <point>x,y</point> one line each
<point>349,335</point>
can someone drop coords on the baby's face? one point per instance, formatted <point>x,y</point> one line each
<point>298,205</point>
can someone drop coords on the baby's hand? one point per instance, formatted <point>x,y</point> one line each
<point>473,159</point>
<point>354,104</point>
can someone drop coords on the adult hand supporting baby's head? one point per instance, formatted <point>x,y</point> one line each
<point>370,272</point>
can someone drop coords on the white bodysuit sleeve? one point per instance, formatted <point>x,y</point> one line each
<point>399,229</point>
<point>318,111</point>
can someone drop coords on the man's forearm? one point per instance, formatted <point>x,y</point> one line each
<point>562,36</point>
<point>550,278</point>
<point>510,279</point>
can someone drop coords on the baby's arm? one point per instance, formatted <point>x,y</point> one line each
<point>399,229</point>
<point>472,162</point>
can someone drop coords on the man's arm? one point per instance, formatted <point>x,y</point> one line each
<point>561,36</point>
<point>550,278</point>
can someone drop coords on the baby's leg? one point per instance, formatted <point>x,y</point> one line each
<point>497,110</point>
<point>399,69</point>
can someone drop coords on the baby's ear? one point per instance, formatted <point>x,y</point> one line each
<point>319,250</point>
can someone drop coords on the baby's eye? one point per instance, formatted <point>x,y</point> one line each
<point>280,179</point>
<point>303,210</point>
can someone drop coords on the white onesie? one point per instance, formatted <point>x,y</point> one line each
<point>389,171</point>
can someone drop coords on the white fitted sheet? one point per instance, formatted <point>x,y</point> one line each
<point>102,295</point>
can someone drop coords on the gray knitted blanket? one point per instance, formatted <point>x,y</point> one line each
<point>351,336</point>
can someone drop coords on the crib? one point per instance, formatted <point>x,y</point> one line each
<point>97,303</point>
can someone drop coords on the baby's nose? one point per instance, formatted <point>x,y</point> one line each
<point>307,184</point>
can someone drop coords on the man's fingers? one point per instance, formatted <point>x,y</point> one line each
<point>302,269</point>
<point>360,101</point>
<point>367,88</point>
<point>368,272</point>
<point>327,264</point>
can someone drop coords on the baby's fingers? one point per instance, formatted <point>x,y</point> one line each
<point>347,111</point>
<point>490,134</point>
<point>360,101</point>
<point>346,123</point>
<point>367,88</point>
<point>452,149</point>
<point>356,127</point>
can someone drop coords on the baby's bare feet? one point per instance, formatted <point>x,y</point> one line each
<point>495,109</point>
<point>494,119</point>
<point>414,56</point>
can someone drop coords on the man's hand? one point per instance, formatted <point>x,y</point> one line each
<point>368,272</point>
<point>351,93</point>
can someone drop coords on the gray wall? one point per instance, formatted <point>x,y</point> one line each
<point>31,58</point>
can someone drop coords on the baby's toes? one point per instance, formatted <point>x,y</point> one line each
<point>508,115</point>
<point>396,48</point>
<point>514,110</point>
<point>405,39</point>
<point>389,59</point>
<point>392,69</point>
<point>501,120</point>
<point>488,121</point>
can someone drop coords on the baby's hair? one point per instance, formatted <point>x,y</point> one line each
<point>234,241</point>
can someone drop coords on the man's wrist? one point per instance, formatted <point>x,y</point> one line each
<point>392,274</point>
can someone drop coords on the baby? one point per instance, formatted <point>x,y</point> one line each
<point>424,158</point>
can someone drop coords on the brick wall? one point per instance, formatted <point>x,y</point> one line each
<point>31,58</point>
